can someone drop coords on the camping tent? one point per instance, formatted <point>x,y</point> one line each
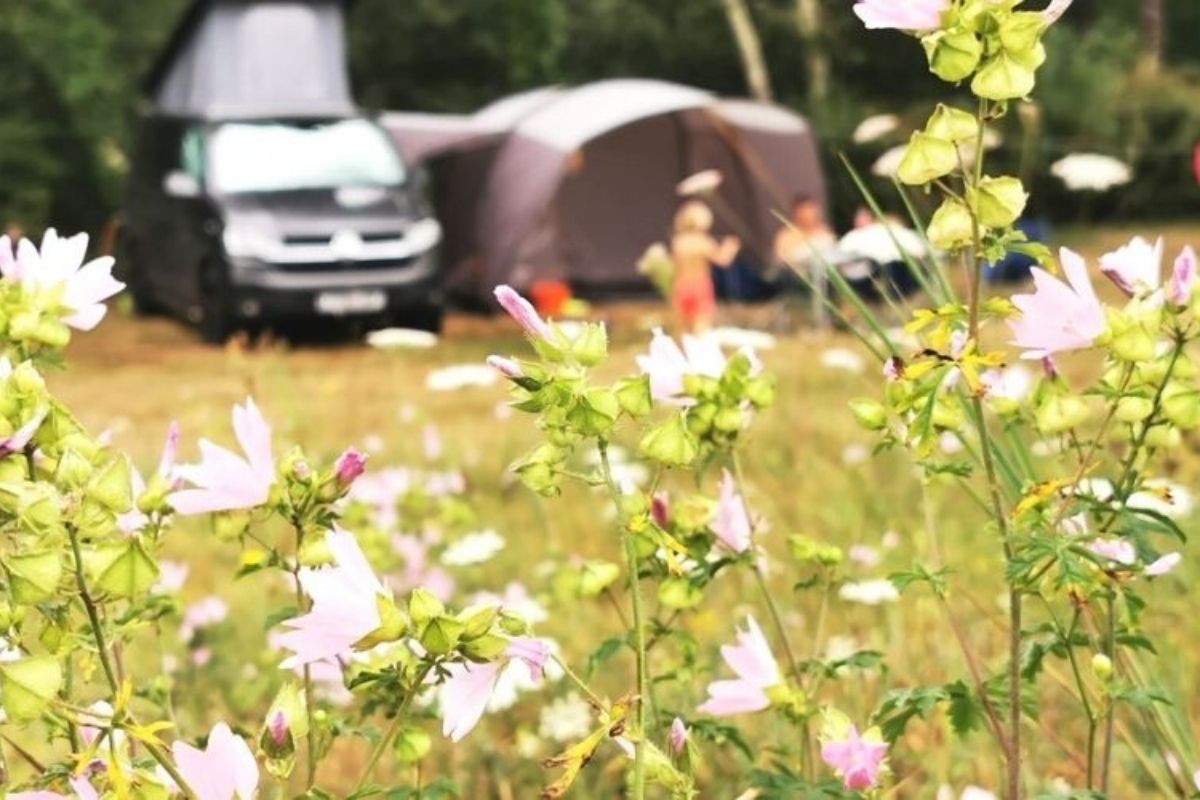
<point>573,184</point>
<point>256,59</point>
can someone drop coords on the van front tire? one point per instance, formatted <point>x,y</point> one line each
<point>217,318</point>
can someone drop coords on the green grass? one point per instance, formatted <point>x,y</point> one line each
<point>133,377</point>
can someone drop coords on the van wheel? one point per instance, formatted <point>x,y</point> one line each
<point>131,270</point>
<point>217,318</point>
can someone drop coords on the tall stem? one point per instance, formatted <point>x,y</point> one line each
<point>397,723</point>
<point>1109,712</point>
<point>639,626</point>
<point>110,674</point>
<point>311,738</point>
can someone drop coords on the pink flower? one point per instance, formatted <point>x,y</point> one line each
<point>506,367</point>
<point>344,605</point>
<point>524,313</point>
<point>134,520</point>
<point>757,672</point>
<point>731,522</point>
<point>59,267</point>
<point>349,466</point>
<point>857,760</point>
<point>1183,277</point>
<point>464,696</point>
<point>1118,550</point>
<point>679,737</point>
<point>225,481</point>
<point>21,437</point>
<point>1136,268</point>
<point>1058,317</point>
<point>80,787</point>
<point>1055,10</point>
<point>904,15</point>
<point>667,365</point>
<point>224,770</point>
<point>1163,565</point>
<point>660,509</point>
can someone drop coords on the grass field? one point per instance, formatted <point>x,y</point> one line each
<point>804,467</point>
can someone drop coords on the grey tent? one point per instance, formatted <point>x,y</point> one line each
<point>256,59</point>
<point>573,184</point>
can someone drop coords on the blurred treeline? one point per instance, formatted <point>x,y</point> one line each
<point>1121,80</point>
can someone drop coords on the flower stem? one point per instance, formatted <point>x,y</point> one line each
<point>393,729</point>
<point>110,674</point>
<point>311,737</point>
<point>639,626</point>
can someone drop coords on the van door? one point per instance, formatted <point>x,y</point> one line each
<point>185,223</point>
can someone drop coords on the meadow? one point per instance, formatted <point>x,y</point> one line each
<point>809,472</point>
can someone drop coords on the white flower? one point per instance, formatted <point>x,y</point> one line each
<point>871,592</point>
<point>887,164</point>
<point>855,454</point>
<point>58,267</point>
<point>566,719</point>
<point>742,338</point>
<point>1166,497</point>
<point>843,359</point>
<point>461,376</point>
<point>401,338</point>
<point>474,548</point>
<point>1091,172</point>
<point>875,127</point>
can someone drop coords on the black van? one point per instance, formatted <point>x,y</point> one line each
<point>241,222</point>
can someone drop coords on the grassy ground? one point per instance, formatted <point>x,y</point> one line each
<point>134,376</point>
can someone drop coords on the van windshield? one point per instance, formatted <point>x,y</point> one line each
<point>277,157</point>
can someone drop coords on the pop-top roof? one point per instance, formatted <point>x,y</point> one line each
<point>256,59</point>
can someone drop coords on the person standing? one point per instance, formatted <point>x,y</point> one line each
<point>695,251</point>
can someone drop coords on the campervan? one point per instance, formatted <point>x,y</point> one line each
<point>258,192</point>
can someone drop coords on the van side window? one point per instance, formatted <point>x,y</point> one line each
<point>191,154</point>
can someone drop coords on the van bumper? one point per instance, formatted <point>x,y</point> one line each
<point>265,291</point>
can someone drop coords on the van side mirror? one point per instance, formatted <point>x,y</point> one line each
<point>178,183</point>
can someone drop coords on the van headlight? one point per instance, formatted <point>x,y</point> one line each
<point>423,235</point>
<point>246,241</point>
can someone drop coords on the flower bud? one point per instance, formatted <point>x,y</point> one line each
<point>999,201</point>
<point>926,159</point>
<point>112,487</point>
<point>953,54</point>
<point>1181,405</point>
<point>1132,409</point>
<point>441,636</point>
<point>952,124</point>
<point>952,226</point>
<point>349,466</point>
<point>670,443</point>
<point>870,414</point>
<point>1102,667</point>
<point>1165,437</point>
<point>1059,413</point>
<point>1003,78</point>
<point>590,347</point>
<point>633,395</point>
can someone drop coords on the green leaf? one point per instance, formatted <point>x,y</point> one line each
<point>29,685</point>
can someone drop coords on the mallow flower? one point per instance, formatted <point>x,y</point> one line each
<point>667,365</point>
<point>224,480</point>
<point>1058,316</point>
<point>731,520</point>
<point>524,313</point>
<point>346,600</point>
<point>224,770</point>
<point>81,789</point>
<point>134,519</point>
<point>464,695</point>
<point>1183,278</point>
<point>58,267</point>
<point>904,15</point>
<point>1136,268</point>
<point>757,673</point>
<point>857,759</point>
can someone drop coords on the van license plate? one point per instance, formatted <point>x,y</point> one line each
<point>356,301</point>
